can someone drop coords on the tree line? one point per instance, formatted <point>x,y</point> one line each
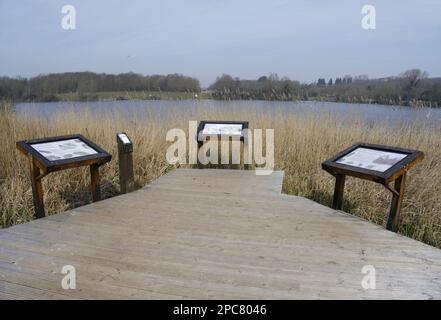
<point>412,87</point>
<point>47,87</point>
<point>265,88</point>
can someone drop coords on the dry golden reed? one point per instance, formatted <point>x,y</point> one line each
<point>302,141</point>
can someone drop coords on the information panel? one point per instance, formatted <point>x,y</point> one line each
<point>222,129</point>
<point>219,129</point>
<point>382,164</point>
<point>378,160</point>
<point>59,153</point>
<point>63,149</point>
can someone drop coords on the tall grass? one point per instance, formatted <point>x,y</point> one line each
<point>302,142</point>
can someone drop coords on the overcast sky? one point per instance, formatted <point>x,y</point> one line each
<point>205,38</point>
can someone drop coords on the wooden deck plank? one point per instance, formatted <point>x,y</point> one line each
<point>212,234</point>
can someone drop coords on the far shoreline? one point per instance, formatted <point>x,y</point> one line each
<point>203,95</point>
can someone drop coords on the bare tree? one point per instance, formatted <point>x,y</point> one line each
<point>411,79</point>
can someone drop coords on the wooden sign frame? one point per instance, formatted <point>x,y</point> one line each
<point>201,126</point>
<point>40,166</point>
<point>396,173</point>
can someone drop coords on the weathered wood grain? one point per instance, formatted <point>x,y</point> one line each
<point>204,234</point>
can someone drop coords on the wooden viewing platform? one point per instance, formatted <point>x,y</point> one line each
<point>203,234</point>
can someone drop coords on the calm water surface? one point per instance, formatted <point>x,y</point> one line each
<point>393,115</point>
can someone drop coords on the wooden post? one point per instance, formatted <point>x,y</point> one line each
<point>393,221</point>
<point>338,191</point>
<point>37,189</point>
<point>95,182</point>
<point>125,162</point>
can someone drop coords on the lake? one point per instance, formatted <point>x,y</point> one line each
<point>369,113</point>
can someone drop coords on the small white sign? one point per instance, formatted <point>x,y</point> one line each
<point>372,159</point>
<point>123,137</point>
<point>63,149</point>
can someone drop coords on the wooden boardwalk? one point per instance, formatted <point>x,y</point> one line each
<point>203,234</point>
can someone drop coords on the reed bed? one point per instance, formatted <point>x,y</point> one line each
<point>302,141</point>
